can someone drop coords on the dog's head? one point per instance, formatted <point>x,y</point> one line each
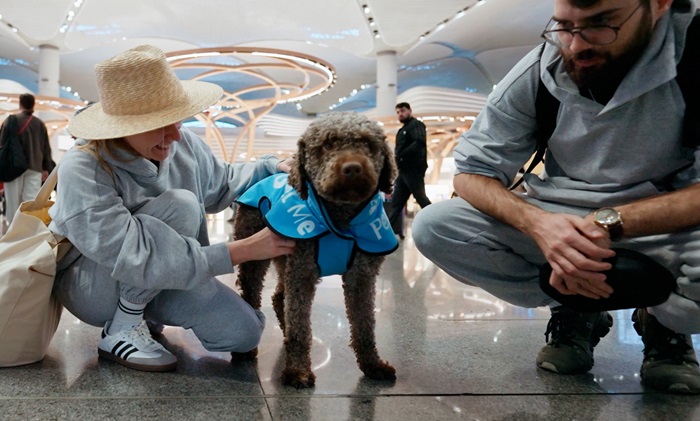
<point>345,157</point>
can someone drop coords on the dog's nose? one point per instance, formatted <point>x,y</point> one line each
<point>351,169</point>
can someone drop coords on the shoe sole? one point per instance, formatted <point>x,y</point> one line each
<point>141,367</point>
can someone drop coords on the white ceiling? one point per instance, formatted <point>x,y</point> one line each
<point>471,52</point>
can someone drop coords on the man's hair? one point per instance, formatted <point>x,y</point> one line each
<point>403,105</point>
<point>585,4</point>
<point>27,101</point>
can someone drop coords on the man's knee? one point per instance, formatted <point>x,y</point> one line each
<point>430,227</point>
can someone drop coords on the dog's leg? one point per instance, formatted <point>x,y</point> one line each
<point>300,280</point>
<point>278,295</point>
<point>359,289</point>
<point>251,275</point>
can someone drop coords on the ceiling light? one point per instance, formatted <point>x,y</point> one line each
<point>366,8</point>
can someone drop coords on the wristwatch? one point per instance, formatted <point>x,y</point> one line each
<point>611,220</point>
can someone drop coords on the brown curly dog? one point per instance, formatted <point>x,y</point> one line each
<point>346,160</point>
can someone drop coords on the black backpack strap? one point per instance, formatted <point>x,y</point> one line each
<point>546,110</point>
<point>689,83</point>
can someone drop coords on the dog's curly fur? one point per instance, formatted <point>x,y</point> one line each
<point>346,158</point>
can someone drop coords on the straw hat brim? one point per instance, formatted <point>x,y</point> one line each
<point>94,123</point>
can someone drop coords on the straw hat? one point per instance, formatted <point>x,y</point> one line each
<point>139,91</point>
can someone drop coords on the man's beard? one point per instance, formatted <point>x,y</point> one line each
<point>606,77</point>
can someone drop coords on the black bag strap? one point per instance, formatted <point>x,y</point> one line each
<point>546,109</point>
<point>688,70</point>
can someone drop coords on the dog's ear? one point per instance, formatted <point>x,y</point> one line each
<point>389,171</point>
<point>297,175</point>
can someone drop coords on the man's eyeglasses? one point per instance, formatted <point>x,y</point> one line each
<point>594,34</point>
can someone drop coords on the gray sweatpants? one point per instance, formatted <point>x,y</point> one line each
<point>217,315</point>
<point>476,249</point>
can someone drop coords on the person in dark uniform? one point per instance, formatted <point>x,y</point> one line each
<point>412,161</point>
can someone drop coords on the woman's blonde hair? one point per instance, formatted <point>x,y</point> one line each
<point>99,147</point>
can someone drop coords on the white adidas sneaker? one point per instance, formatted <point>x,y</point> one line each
<point>135,348</point>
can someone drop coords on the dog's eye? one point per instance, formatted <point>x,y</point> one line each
<point>328,146</point>
<point>369,144</point>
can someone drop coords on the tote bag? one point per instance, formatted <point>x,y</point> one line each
<point>29,313</point>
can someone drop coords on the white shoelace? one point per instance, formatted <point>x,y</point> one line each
<point>141,338</point>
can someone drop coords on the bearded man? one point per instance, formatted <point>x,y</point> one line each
<point>616,175</point>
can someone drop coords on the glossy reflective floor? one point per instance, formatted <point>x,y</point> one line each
<point>459,354</point>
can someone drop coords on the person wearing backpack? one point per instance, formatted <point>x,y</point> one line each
<point>34,139</point>
<point>619,174</point>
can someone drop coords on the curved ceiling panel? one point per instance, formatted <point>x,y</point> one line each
<point>401,23</point>
<point>497,24</point>
<point>332,23</point>
<point>39,26</point>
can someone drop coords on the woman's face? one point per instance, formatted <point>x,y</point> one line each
<point>155,144</point>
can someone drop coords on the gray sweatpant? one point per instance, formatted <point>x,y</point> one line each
<point>217,315</point>
<point>476,249</point>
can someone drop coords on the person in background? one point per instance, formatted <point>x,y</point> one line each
<point>412,161</point>
<point>132,198</point>
<point>35,144</point>
<point>616,174</point>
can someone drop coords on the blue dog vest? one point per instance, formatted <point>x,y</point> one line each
<point>288,215</point>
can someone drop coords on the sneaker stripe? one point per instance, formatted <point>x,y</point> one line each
<point>122,349</point>
<point>128,353</point>
<point>115,349</point>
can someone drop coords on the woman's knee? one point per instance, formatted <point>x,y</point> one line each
<point>241,335</point>
<point>180,209</point>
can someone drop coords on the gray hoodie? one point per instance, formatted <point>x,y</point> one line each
<point>599,155</point>
<point>94,210</point>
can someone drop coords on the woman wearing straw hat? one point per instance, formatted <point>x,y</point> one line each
<point>132,199</point>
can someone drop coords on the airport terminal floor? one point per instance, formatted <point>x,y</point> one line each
<point>459,354</point>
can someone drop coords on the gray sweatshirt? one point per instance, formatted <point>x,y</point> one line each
<point>599,155</point>
<point>94,210</point>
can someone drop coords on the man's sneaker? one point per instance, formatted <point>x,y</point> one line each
<point>569,349</point>
<point>669,359</point>
<point>135,348</point>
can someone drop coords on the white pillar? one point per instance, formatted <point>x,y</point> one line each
<point>49,69</point>
<point>387,74</point>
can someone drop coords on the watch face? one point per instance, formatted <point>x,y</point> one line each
<point>607,216</point>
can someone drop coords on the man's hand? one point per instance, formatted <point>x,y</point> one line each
<point>575,248</point>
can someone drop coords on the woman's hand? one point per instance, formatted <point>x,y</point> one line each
<point>262,245</point>
<point>285,165</point>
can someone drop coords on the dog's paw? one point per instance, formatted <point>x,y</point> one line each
<point>298,379</point>
<point>382,371</point>
<point>239,357</point>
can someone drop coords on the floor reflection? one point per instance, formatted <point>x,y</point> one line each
<point>459,353</point>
